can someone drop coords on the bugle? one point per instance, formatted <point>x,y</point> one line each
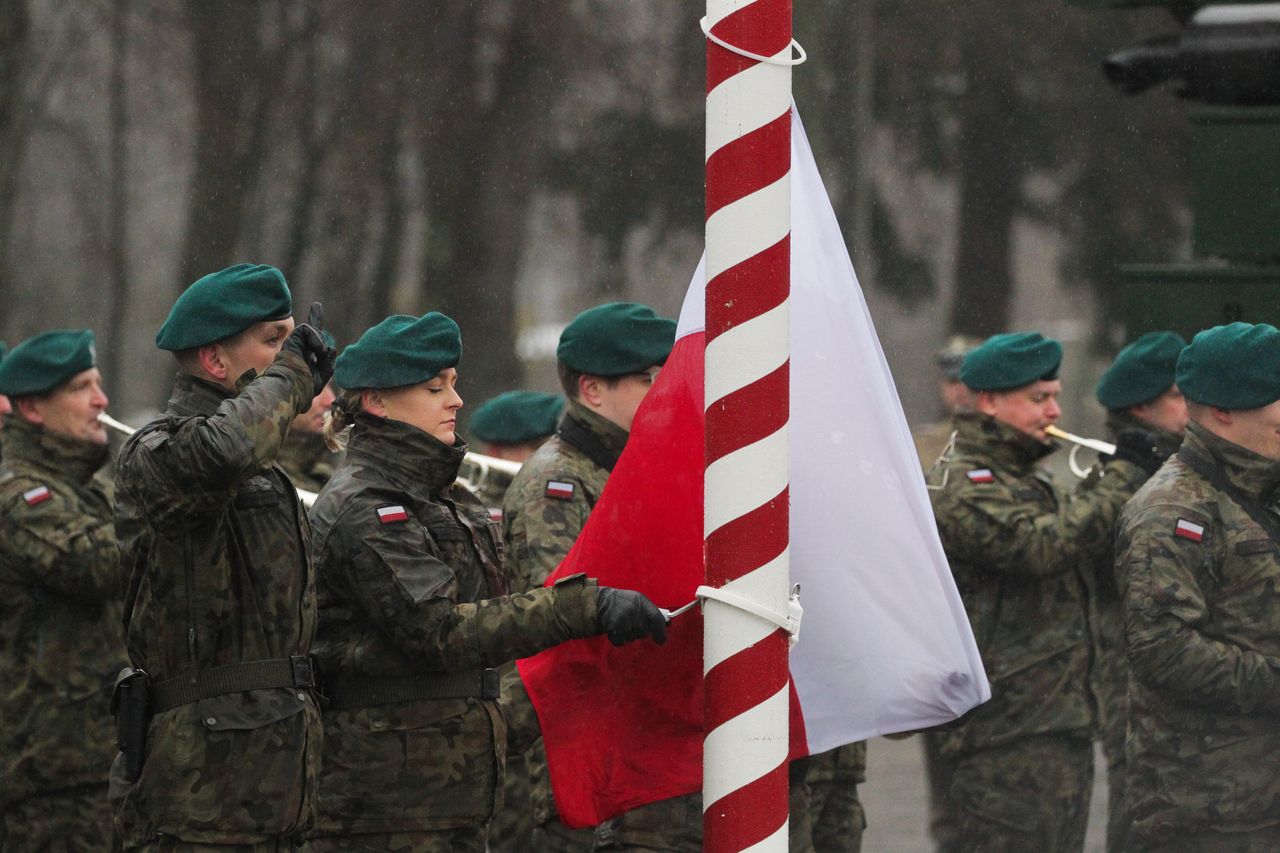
<point>1093,444</point>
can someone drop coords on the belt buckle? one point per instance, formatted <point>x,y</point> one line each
<point>489,687</point>
<point>304,674</point>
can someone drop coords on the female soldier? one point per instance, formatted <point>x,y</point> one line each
<point>412,608</point>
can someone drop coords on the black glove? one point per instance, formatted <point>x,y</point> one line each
<point>307,341</point>
<point>626,615</point>
<point>1139,447</point>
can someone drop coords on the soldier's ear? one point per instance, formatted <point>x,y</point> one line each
<point>589,388</point>
<point>213,361</point>
<point>29,409</point>
<point>371,401</point>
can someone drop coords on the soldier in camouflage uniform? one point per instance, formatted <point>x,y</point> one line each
<point>413,608</point>
<point>60,582</point>
<point>1198,557</point>
<point>220,608</point>
<point>305,457</point>
<point>931,441</point>
<point>1138,392</point>
<point>510,426</point>
<point>826,814</point>
<point>1016,545</point>
<point>606,358</point>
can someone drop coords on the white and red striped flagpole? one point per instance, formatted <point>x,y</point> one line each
<point>747,405</point>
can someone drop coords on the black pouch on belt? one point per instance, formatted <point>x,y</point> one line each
<point>130,704</point>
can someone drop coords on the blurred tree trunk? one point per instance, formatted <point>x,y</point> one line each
<point>236,80</point>
<point>990,191</point>
<point>14,60</point>
<point>396,214</point>
<point>117,191</point>
<point>491,155</point>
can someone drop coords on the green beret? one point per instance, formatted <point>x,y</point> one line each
<point>40,364</point>
<point>1236,366</point>
<point>1011,360</point>
<point>616,339</point>
<point>401,350</point>
<point>223,304</point>
<point>516,417</point>
<point>1142,371</point>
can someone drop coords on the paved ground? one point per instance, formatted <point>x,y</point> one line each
<point>896,803</point>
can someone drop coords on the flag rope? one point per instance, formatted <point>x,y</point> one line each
<point>798,59</point>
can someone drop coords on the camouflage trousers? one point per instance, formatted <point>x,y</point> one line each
<point>1111,687</point>
<point>470,839</point>
<point>66,822</point>
<point>826,814</point>
<point>1259,841</point>
<point>670,826</point>
<point>1032,794</point>
<point>554,837</point>
<point>944,823</point>
<point>175,845</point>
<point>511,829</point>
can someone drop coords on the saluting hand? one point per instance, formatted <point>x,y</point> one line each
<point>308,341</point>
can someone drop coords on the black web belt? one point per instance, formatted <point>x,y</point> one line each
<point>358,692</point>
<point>296,671</point>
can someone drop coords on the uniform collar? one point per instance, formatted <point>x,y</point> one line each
<point>194,397</point>
<point>414,461</point>
<point>995,441</point>
<point>612,437</point>
<point>61,456</point>
<point>1256,476</point>
<point>1167,443</point>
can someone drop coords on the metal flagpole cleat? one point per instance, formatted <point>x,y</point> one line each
<point>671,614</point>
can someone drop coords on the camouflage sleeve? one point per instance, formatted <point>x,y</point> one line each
<point>70,553</point>
<point>542,531</point>
<point>395,578</point>
<point>1162,577</point>
<point>195,468</point>
<point>990,525</point>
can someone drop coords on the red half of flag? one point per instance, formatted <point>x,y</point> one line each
<point>624,726</point>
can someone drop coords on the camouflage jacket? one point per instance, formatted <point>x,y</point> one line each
<point>60,638</point>
<point>307,460</point>
<point>408,566</point>
<point>216,544</point>
<point>1110,666</point>
<point>544,510</point>
<point>548,502</point>
<point>1202,618</point>
<point>1016,548</point>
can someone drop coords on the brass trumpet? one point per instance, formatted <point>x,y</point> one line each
<point>1079,442</point>
<point>483,466</point>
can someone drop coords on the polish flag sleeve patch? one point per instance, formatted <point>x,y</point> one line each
<point>560,490</point>
<point>392,514</point>
<point>982,475</point>
<point>38,495</point>
<point>1188,530</point>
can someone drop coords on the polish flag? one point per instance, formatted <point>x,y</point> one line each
<point>1189,530</point>
<point>885,644</point>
